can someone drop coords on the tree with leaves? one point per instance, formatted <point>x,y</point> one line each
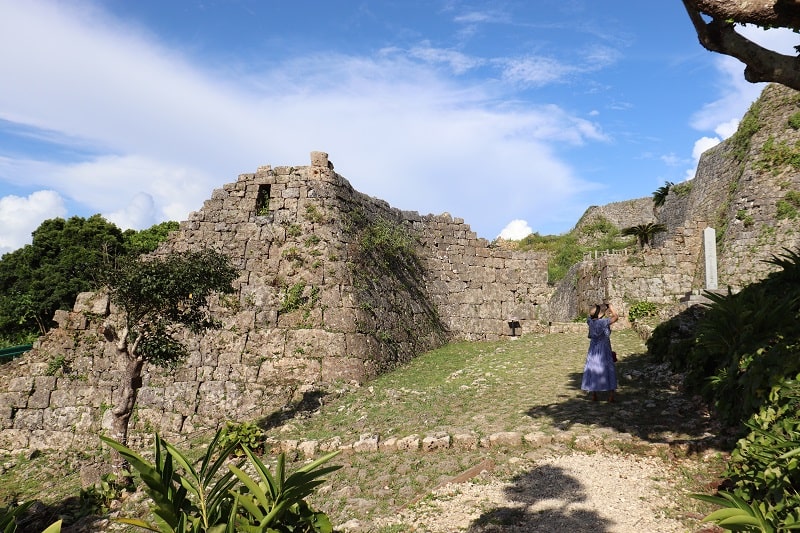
<point>660,194</point>
<point>715,22</point>
<point>156,298</point>
<point>644,233</point>
<point>64,259</point>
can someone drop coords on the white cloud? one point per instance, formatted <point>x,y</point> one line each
<point>535,71</point>
<point>138,214</point>
<point>160,126</point>
<point>458,62</point>
<point>20,216</point>
<point>516,230</point>
<point>726,129</point>
<point>702,144</point>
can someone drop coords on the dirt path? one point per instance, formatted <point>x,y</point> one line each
<point>625,467</point>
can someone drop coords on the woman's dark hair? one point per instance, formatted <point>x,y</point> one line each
<point>595,311</point>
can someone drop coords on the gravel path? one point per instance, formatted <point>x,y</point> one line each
<point>574,493</point>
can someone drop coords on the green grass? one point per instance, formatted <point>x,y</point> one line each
<point>530,384</point>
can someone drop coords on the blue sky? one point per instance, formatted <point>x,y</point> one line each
<point>513,115</point>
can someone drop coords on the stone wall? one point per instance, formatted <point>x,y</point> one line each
<point>335,286</point>
<point>743,188</point>
<point>622,214</point>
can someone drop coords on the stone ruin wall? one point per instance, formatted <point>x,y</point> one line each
<point>263,359</point>
<point>353,322</point>
<point>659,274</point>
<point>622,214</point>
<point>738,198</point>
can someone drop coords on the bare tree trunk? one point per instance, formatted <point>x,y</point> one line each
<point>131,383</point>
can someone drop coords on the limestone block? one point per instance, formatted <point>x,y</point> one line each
<point>50,440</point>
<point>412,442</point>
<point>180,397</point>
<point>436,442</point>
<point>95,303</point>
<point>13,441</point>
<point>343,369</point>
<point>388,445</point>
<point>60,419</point>
<point>17,400</point>
<point>28,419</point>
<point>39,399</point>
<point>330,445</point>
<point>171,422</point>
<point>69,395</point>
<point>465,441</point>
<point>21,384</point>
<point>366,443</point>
<point>506,438</point>
<point>341,319</point>
<point>308,448</point>
<point>319,159</point>
<point>537,438</point>
<point>221,373</point>
<point>289,446</point>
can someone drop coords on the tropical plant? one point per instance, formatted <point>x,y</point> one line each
<point>641,309</point>
<point>245,434</point>
<point>9,516</point>
<point>660,194</point>
<point>155,297</point>
<point>644,233</point>
<point>277,502</point>
<point>765,469</point>
<point>189,499</point>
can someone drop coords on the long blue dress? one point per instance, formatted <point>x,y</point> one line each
<point>599,374</point>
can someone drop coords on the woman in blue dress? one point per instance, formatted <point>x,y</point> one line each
<point>600,374</point>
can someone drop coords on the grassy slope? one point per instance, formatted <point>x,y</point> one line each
<point>529,384</point>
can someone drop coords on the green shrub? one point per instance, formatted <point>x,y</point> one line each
<point>296,297</point>
<point>746,218</point>
<point>794,121</point>
<point>682,189</point>
<point>245,434</point>
<point>741,345</point>
<point>788,205</point>
<point>55,364</point>
<point>765,467</point>
<point>639,310</point>
<point>215,496</point>
<point>313,214</point>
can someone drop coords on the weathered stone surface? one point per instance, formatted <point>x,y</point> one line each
<point>314,305</point>
<point>411,442</point>
<point>366,443</point>
<point>506,438</point>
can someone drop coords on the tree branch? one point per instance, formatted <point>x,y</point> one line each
<point>762,64</point>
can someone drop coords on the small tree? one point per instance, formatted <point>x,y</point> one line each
<point>644,233</point>
<point>660,194</point>
<point>155,297</point>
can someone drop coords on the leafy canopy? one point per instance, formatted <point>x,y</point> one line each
<point>156,294</point>
<point>65,258</point>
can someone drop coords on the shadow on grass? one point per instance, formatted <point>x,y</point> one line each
<point>306,405</point>
<point>553,494</point>
<point>649,405</point>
